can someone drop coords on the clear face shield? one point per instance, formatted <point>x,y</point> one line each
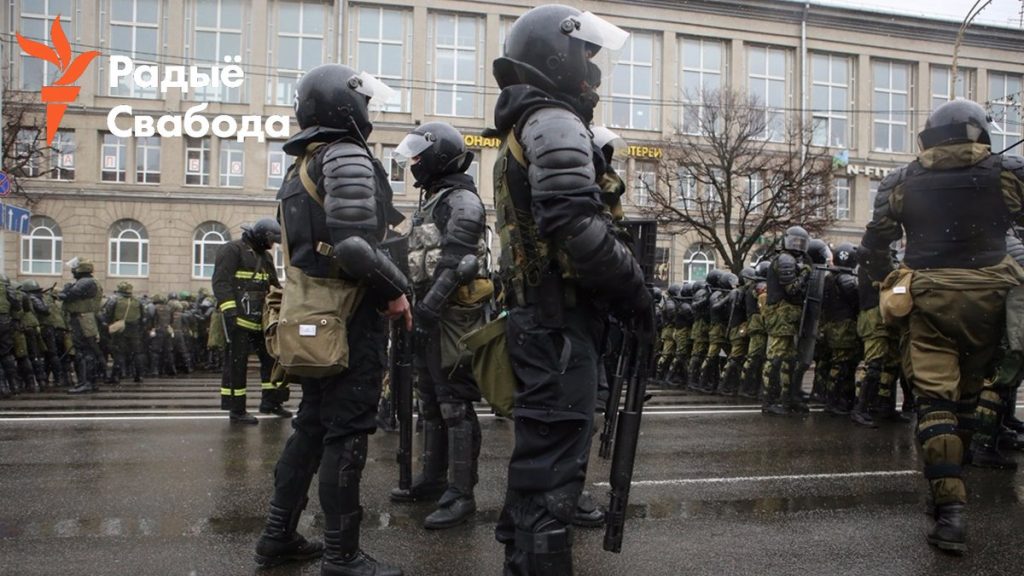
<point>411,147</point>
<point>379,93</point>
<point>73,263</point>
<point>605,137</point>
<point>593,29</point>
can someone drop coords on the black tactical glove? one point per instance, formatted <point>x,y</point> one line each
<point>230,317</point>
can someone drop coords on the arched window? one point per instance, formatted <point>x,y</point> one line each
<point>698,263</point>
<point>206,241</point>
<point>129,249</point>
<point>42,248</point>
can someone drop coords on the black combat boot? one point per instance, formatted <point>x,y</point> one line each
<point>5,390</point>
<point>771,403</point>
<point>280,543</point>
<point>275,408</point>
<point>950,531</point>
<point>548,550</point>
<point>587,515</point>
<point>457,504</point>
<point>242,417</point>
<point>342,556</point>
<point>432,481</point>
<point>731,379</point>
<point>861,413</point>
<point>986,454</point>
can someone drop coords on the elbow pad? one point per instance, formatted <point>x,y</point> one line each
<point>465,227</point>
<point>361,261</point>
<point>600,259</point>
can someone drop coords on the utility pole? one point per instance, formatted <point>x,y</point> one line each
<point>971,15</point>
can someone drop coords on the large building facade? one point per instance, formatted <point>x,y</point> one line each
<point>153,210</point>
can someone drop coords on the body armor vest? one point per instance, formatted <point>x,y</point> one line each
<point>5,303</point>
<point>684,314</point>
<point>127,309</point>
<point>425,241</point>
<point>776,291</point>
<point>55,318</point>
<point>28,315</point>
<point>955,218</point>
<point>86,305</point>
<point>840,301</point>
<point>162,316</point>
<point>750,299</point>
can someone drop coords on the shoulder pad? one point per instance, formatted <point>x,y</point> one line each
<point>894,179</point>
<point>559,152</point>
<point>349,187</point>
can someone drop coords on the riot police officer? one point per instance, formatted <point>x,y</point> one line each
<point>448,226</point>
<point>787,287</point>
<point>840,308</point>
<point>699,332</point>
<point>683,335</point>
<point>242,275</point>
<point>720,305</point>
<point>561,265</point>
<point>738,336</point>
<point>335,207</point>
<point>754,300</point>
<point>123,315</point>
<point>82,299</point>
<point>668,341</point>
<point>954,203</point>
<point>9,303</point>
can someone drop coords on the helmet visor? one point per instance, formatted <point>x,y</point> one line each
<point>596,30</point>
<point>605,137</point>
<point>795,243</point>
<point>379,93</point>
<point>412,146</point>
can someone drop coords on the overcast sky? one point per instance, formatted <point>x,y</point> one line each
<point>999,12</point>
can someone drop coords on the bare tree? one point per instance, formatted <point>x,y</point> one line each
<point>25,152</point>
<point>740,174</point>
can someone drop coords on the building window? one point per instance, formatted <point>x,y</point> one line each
<point>134,32</point>
<point>633,84</point>
<point>279,262</point>
<point>217,42</point>
<point>891,106</point>
<point>396,173</point>
<point>129,249</point>
<point>300,46</point>
<point>940,84</point>
<point>197,161</point>
<point>830,99</point>
<point>28,152</point>
<point>113,164</point>
<point>474,167</point>
<point>277,164</point>
<point>703,70</point>
<point>232,163</point>
<point>755,193</point>
<point>697,263</point>
<point>688,190</point>
<point>1004,96</point>
<point>645,183</point>
<point>147,160</point>
<point>503,30</point>
<point>379,40</point>
<point>767,83</point>
<point>662,265</point>
<point>456,73</point>
<point>872,194</point>
<point>42,248</point>
<point>62,155</point>
<point>206,241</point>
<point>36,19</point>
<point>842,197</point>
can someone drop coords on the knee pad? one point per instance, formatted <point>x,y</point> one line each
<point>343,462</point>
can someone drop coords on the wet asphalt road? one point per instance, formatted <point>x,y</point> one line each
<point>154,480</point>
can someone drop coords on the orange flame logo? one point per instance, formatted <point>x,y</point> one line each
<point>61,93</point>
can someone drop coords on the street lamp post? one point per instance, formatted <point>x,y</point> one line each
<point>971,15</point>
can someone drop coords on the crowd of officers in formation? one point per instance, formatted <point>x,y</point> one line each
<point>78,337</point>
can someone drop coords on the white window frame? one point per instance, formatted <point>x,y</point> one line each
<point>125,232</point>
<point>774,114</point>
<point>1005,131</point>
<point>397,174</point>
<point>829,117</point>
<point>62,156</point>
<point>126,85</point>
<point>210,233</point>
<point>755,193</point>
<point>459,87</point>
<point>203,62</point>
<point>697,258</point>
<point>400,84</point>
<point>843,196</point>
<point>53,236</point>
<point>277,164</point>
<point>281,84</point>
<point>964,84</point>
<point>203,151</point>
<point>889,119</point>
<point>29,142</point>
<point>45,20</point>
<point>642,171</point>
<point>635,102</point>
<point>231,151</point>
<point>704,73</point>
<point>144,173</point>
<point>119,146</point>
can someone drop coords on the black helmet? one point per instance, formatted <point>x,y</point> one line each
<point>729,280</point>
<point>714,278</point>
<point>846,255</point>
<point>263,234</point>
<point>762,269</point>
<point>817,249</point>
<point>436,149</point>
<point>336,96</point>
<point>698,286</point>
<point>748,273</point>
<point>956,122</point>
<point>657,293</point>
<point>550,47</point>
<point>31,286</point>
<point>675,290</point>
<point>795,239</point>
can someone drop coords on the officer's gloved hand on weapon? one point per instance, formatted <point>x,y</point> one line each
<point>428,310</point>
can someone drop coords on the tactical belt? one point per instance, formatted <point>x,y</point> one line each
<point>531,295</point>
